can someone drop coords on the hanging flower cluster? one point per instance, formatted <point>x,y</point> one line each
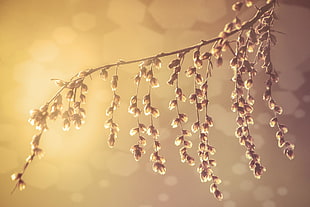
<point>250,44</point>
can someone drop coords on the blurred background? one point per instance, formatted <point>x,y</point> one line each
<point>41,40</point>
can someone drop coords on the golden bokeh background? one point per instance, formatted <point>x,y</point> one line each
<point>41,40</point>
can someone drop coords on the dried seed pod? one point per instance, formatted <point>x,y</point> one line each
<point>278,109</point>
<point>82,113</point>
<point>237,6</point>
<point>172,79</point>
<point>198,78</point>
<point>149,75</point>
<point>137,79</point>
<point>216,180</point>
<point>234,107</point>
<point>175,122</point>
<point>147,109</point>
<point>205,55</point>
<point>182,98</point>
<point>134,131</point>
<point>114,82</point>
<point>83,99</point>
<point>146,99</point>
<point>66,125</point>
<point>156,146</point>
<point>103,74</point>
<point>183,118</point>
<point>154,82</point>
<point>199,93</point>
<point>249,120</point>
<point>238,25</point>
<point>234,63</point>
<point>252,35</point>
<point>142,72</point>
<point>192,98</point>
<point>267,95</point>
<point>60,83</point>
<point>251,46</point>
<point>204,127</point>
<point>186,133</point>
<point>249,3</point>
<point>283,128</point>
<point>38,152</point>
<point>199,107</point>
<point>203,137</point>
<point>174,63</point>
<point>240,82</point>
<point>152,131</point>
<point>147,62</point>
<point>204,87</point>
<point>109,111</point>
<point>69,95</point>
<point>219,61</point>
<point>274,77</point>
<point>137,152</point>
<point>202,146</point>
<point>179,140</point>
<point>155,112</point>
<point>212,163</point>
<point>108,123</point>
<point>172,104</point>
<point>289,152</point>
<point>281,142</point>
<point>258,170</point>
<point>21,185</point>
<point>133,100</point>
<point>271,104</point>
<point>142,141</point>
<point>204,176</point>
<point>142,128</point>
<point>196,54</point>
<point>273,39</point>
<point>36,140</point>
<point>178,92</point>
<point>248,108</point>
<point>84,88</point>
<point>216,51</point>
<point>273,122</point>
<point>198,63</point>
<point>190,71</point>
<point>195,127</point>
<point>248,83</point>
<point>218,195</point>
<point>187,144</point>
<point>239,132</point>
<point>279,134</point>
<point>229,27</point>
<point>211,149</point>
<point>190,160</point>
<point>240,121</point>
<point>159,168</point>
<point>157,63</point>
<point>250,100</point>
<point>111,140</point>
<point>209,120</point>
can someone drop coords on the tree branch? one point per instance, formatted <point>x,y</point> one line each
<point>245,25</point>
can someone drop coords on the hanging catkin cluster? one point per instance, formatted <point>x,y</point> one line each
<point>249,43</point>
